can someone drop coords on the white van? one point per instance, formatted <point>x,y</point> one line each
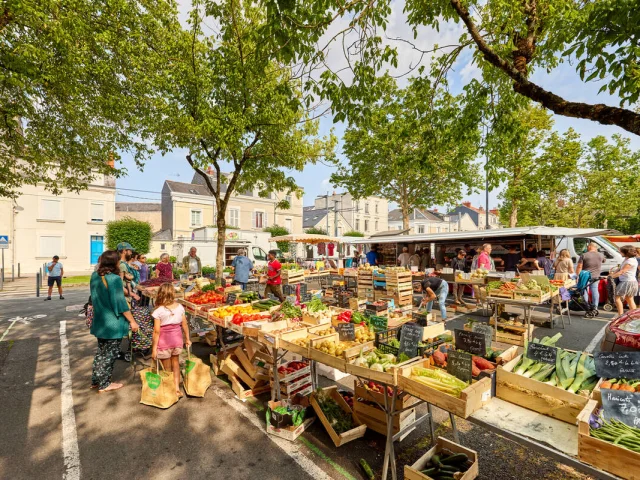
<point>578,245</point>
<point>207,252</point>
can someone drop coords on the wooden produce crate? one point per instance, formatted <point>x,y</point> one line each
<point>389,377</point>
<point>248,366</point>
<point>220,321</point>
<point>290,433</point>
<point>400,299</point>
<point>537,396</point>
<point>403,401</point>
<point>398,321</point>
<point>243,392</point>
<point>604,455</point>
<point>357,304</point>
<point>533,296</point>
<point>431,331</point>
<point>292,277</point>
<point>471,398</point>
<point>413,472</point>
<point>375,418</point>
<point>342,438</point>
<point>231,367</point>
<point>515,335</point>
<point>338,363</point>
<point>286,342</point>
<point>312,320</point>
<point>497,293</point>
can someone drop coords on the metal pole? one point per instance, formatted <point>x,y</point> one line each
<point>38,284</point>
<point>326,206</point>
<point>18,270</point>
<point>3,265</point>
<point>486,175</point>
<point>335,217</point>
<point>13,278</point>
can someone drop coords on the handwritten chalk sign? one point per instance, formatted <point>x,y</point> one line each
<point>303,288</point>
<point>617,364</point>
<point>231,299</point>
<point>346,331</point>
<point>622,406</point>
<point>542,353</point>
<point>460,364</point>
<point>379,324</point>
<point>306,297</point>
<point>410,338</point>
<point>472,342</point>
<point>483,328</point>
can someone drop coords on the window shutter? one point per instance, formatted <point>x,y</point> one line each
<point>51,209</point>
<point>97,210</point>
<point>265,223</point>
<point>254,221</point>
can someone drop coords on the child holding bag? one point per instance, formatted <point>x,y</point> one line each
<point>169,323</point>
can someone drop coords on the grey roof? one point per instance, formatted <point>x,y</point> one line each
<point>137,207</point>
<point>311,216</point>
<point>416,214</point>
<point>189,188</point>
<point>163,235</point>
<point>389,233</point>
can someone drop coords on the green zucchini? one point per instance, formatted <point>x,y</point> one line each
<point>429,472</point>
<point>456,458</point>
<point>449,469</point>
<point>436,460</point>
<point>367,469</point>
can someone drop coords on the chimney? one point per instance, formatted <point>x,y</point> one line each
<point>467,204</point>
<point>435,210</point>
<point>481,209</point>
<point>210,170</point>
<point>111,162</point>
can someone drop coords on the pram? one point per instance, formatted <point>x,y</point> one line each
<point>577,302</point>
<point>611,295</point>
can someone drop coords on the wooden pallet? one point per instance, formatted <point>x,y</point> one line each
<point>292,277</point>
<point>342,438</point>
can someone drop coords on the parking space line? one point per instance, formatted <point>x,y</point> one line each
<point>70,449</point>
<point>596,340</point>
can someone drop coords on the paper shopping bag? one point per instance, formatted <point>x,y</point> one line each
<point>158,387</point>
<point>197,376</point>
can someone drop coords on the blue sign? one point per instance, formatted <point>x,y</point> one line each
<point>4,241</point>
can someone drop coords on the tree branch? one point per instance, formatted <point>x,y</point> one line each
<point>604,114</point>
<point>204,175</point>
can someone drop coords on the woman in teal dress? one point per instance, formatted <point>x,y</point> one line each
<point>111,319</point>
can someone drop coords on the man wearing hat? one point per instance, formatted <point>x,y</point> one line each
<point>125,250</point>
<point>55,271</point>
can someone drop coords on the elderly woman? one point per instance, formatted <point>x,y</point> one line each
<point>627,288</point>
<point>164,268</point>
<point>111,319</point>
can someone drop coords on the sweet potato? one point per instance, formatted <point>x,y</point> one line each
<point>483,364</point>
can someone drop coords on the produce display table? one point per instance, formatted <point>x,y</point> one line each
<point>527,307</point>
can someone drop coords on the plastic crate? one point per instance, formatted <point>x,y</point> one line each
<point>382,343</point>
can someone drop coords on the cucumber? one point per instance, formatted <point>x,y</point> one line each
<point>456,458</point>
<point>436,460</point>
<point>429,472</point>
<point>449,469</point>
<point>367,469</point>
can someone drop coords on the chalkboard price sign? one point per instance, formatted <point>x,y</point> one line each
<point>459,364</point>
<point>483,328</point>
<point>617,364</point>
<point>410,338</point>
<point>379,324</point>
<point>306,297</point>
<point>542,353</point>
<point>289,289</point>
<point>472,342</point>
<point>231,299</point>
<point>346,332</point>
<point>303,288</point>
<point>622,406</point>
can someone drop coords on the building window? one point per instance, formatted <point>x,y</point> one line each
<point>259,219</point>
<point>376,208</point>
<point>234,217</point>
<point>288,224</point>
<point>366,207</point>
<point>357,207</point>
<point>376,225</point>
<point>420,228</point>
<point>357,224</point>
<point>162,246</point>
<point>196,218</point>
<point>366,225</point>
<point>51,209</point>
<point>51,245</point>
<point>288,199</point>
<point>97,212</point>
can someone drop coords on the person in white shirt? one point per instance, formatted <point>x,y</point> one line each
<point>191,263</point>
<point>404,257</point>
<point>628,286</point>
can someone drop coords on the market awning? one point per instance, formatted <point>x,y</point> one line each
<point>486,234</point>
<point>306,238</point>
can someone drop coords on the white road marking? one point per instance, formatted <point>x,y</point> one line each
<point>596,340</point>
<point>290,448</point>
<point>70,449</point>
<point>25,320</point>
<point>7,330</point>
<point>74,308</point>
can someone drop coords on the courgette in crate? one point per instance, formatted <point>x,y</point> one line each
<point>367,469</point>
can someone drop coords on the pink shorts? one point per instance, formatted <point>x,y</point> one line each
<point>168,353</point>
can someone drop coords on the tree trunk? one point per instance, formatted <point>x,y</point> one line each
<point>405,215</point>
<point>222,231</point>
<point>513,216</point>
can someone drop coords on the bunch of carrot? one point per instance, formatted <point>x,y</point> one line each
<point>624,384</point>
<point>439,358</point>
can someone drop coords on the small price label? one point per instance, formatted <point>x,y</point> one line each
<point>472,342</point>
<point>346,332</point>
<point>542,353</point>
<point>231,299</point>
<point>460,365</point>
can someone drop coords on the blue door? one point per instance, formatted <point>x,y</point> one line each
<point>97,247</point>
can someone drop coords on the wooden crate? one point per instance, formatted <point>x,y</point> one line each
<point>231,367</point>
<point>497,293</point>
<point>516,335</point>
<point>431,331</point>
<point>286,342</point>
<point>533,296</point>
<point>400,299</point>
<point>376,419</point>
<point>389,377</point>
<point>397,277</point>
<point>243,393</point>
<point>403,401</point>
<point>471,398</point>
<point>413,472</point>
<point>537,396</point>
<point>339,439</point>
<point>292,277</point>
<point>326,359</point>
<point>605,455</point>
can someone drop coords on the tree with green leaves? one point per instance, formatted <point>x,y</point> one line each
<point>316,231</point>
<point>73,88</point>
<point>129,230</point>
<point>278,231</point>
<point>509,40</point>
<point>416,146</point>
<point>226,99</point>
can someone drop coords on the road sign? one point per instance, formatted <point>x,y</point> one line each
<point>4,241</point>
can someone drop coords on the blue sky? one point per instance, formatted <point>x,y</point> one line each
<point>563,81</point>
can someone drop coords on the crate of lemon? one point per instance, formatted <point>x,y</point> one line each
<point>334,353</point>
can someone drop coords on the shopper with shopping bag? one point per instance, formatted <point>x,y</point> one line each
<point>158,386</point>
<point>169,323</point>
<point>196,377</point>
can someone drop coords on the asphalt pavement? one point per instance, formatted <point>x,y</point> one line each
<point>214,437</point>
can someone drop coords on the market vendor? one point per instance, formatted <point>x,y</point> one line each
<point>242,269</point>
<point>274,280</point>
<point>529,259</point>
<point>191,263</point>
<point>164,269</point>
<point>435,288</point>
<point>404,257</point>
<point>512,259</point>
<point>372,256</point>
<point>459,264</point>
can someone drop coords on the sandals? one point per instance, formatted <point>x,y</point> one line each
<point>112,387</point>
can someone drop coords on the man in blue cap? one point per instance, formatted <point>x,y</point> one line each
<point>125,249</point>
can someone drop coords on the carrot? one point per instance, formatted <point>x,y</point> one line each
<point>475,371</point>
<point>615,387</point>
<point>627,388</point>
<point>606,384</point>
<point>638,388</point>
<point>483,364</point>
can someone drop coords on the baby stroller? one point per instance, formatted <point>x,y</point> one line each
<point>577,302</point>
<point>611,294</point>
<point>139,342</point>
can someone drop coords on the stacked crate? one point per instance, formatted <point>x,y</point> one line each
<point>365,285</point>
<point>400,287</point>
<point>295,383</point>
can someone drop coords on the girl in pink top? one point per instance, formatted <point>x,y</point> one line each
<point>169,323</point>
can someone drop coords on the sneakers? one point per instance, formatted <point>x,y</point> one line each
<point>48,298</point>
<point>61,297</point>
